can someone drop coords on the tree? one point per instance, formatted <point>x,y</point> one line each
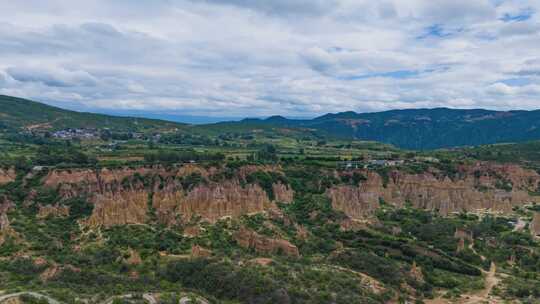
<point>267,153</point>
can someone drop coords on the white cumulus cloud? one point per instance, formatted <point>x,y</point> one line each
<point>288,57</point>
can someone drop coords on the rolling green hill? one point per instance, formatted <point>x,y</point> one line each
<point>419,129</point>
<point>524,153</point>
<point>18,113</point>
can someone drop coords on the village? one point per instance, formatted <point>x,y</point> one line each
<point>381,163</point>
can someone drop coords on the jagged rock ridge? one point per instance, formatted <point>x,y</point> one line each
<point>124,196</point>
<point>177,195</point>
<point>7,175</point>
<point>476,187</point>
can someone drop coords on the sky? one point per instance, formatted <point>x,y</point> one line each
<point>297,58</point>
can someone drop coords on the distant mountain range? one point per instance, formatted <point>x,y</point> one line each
<point>421,128</point>
<point>411,129</point>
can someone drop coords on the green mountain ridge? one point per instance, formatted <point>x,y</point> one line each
<point>19,113</point>
<point>417,129</point>
<point>422,129</point>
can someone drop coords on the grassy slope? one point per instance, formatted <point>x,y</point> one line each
<point>20,113</point>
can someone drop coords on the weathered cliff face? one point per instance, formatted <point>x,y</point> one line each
<point>5,227</point>
<point>353,201</point>
<point>119,208</point>
<point>361,200</point>
<point>53,210</point>
<point>283,193</point>
<point>490,173</point>
<point>416,273</point>
<point>55,270</point>
<point>262,244</point>
<point>475,188</point>
<point>124,196</point>
<point>200,252</point>
<point>81,177</point>
<point>177,195</point>
<point>7,175</point>
<point>211,202</point>
<point>134,257</point>
<point>229,199</point>
<point>461,233</point>
<point>534,226</point>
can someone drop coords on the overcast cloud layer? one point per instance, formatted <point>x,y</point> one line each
<point>265,57</point>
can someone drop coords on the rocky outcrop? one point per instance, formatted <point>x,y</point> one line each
<point>261,261</point>
<point>29,200</point>
<point>190,169</point>
<point>352,224</point>
<point>476,187</point>
<point>461,233</point>
<point>5,204</point>
<point>200,252</point>
<point>81,177</point>
<point>283,193</point>
<point>416,273</point>
<point>134,258</point>
<point>396,230</point>
<point>534,226</point>
<point>211,202</point>
<point>50,273</point>
<point>119,208</point>
<point>355,202</point>
<point>301,232</point>
<point>5,227</point>
<point>55,270</point>
<point>7,175</point>
<point>460,245</point>
<point>126,195</point>
<point>40,262</point>
<point>488,174</point>
<point>192,231</point>
<point>447,196</point>
<point>165,204</point>
<point>224,200</point>
<point>53,210</point>
<point>265,245</point>
<point>178,195</point>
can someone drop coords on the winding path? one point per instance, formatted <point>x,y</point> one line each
<point>150,299</point>
<point>147,296</point>
<point>30,293</point>
<point>481,296</point>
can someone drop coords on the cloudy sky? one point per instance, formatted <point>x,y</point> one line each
<point>265,57</point>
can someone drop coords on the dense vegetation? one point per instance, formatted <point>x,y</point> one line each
<point>325,273</point>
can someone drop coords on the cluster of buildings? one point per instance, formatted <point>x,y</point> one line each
<point>76,133</point>
<point>365,164</point>
<point>378,163</point>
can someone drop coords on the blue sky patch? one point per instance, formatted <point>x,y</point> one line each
<point>521,16</point>
<point>516,82</point>
<point>438,31</point>
<point>400,74</point>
